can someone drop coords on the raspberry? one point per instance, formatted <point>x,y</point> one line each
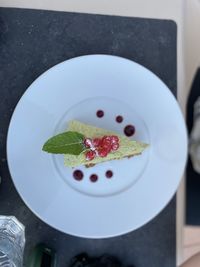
<point>87,142</point>
<point>114,139</point>
<point>102,152</point>
<point>115,146</point>
<point>90,155</point>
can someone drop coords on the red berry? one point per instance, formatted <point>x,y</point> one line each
<point>106,142</point>
<point>106,139</point>
<point>87,142</point>
<point>107,147</point>
<point>96,142</point>
<point>102,152</point>
<point>114,139</point>
<point>115,146</point>
<point>90,155</point>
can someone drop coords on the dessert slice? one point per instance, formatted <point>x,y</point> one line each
<point>84,144</point>
<point>127,147</point>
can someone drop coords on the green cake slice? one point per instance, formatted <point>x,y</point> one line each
<point>127,147</point>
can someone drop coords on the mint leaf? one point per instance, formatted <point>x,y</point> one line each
<point>65,143</point>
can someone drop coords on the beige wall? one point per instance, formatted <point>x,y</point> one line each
<point>145,8</point>
<point>192,39</point>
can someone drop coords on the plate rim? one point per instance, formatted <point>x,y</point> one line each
<point>28,90</point>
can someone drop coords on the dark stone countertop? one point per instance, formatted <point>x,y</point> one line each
<point>31,42</point>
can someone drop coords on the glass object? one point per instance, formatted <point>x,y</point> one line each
<point>12,241</point>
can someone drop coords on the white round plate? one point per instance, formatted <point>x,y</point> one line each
<point>140,187</point>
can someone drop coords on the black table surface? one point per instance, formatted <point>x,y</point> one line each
<point>31,41</point>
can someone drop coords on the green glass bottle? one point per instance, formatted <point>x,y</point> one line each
<point>42,256</point>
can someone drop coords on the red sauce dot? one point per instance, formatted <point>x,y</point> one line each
<point>129,130</point>
<point>100,113</point>
<point>119,119</point>
<point>93,178</point>
<point>78,175</point>
<point>109,174</point>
